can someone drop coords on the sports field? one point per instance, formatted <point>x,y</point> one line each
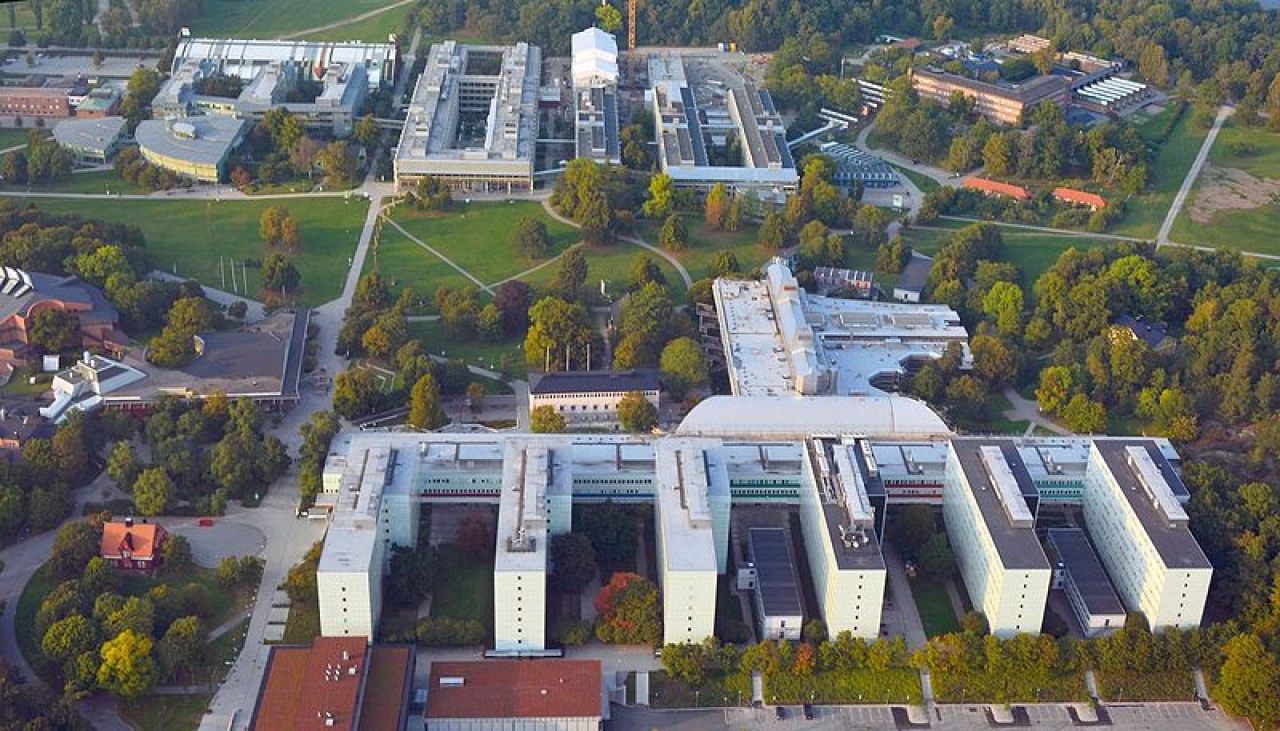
<point>187,237</point>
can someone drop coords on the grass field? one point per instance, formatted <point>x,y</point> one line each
<point>166,712</point>
<point>704,244</point>
<point>94,181</point>
<point>612,264</point>
<point>189,236</point>
<point>1031,251</point>
<point>465,590</point>
<point>506,356</point>
<point>11,137</point>
<point>370,29</point>
<point>1145,213</point>
<point>1262,162</point>
<point>936,613</point>
<point>925,183</point>
<point>273,18</point>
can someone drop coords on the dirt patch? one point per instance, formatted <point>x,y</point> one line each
<point>1223,189</point>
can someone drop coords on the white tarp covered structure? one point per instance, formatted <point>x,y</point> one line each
<point>595,58</point>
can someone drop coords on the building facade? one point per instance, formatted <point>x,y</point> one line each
<point>692,492</point>
<point>24,295</point>
<point>193,147</point>
<point>25,101</point>
<point>590,398</point>
<point>1000,103</point>
<point>131,546</point>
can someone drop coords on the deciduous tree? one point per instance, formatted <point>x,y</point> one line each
<point>127,669</point>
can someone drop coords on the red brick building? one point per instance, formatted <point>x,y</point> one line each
<point>134,546</point>
<point>24,295</point>
<point>26,101</point>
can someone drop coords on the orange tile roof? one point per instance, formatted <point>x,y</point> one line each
<point>302,684</point>
<point>386,687</point>
<point>1071,195</point>
<point>516,689</point>
<point>1016,192</point>
<point>139,539</point>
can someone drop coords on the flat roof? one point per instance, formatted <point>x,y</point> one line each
<point>915,275</point>
<point>799,417</point>
<point>687,474</point>
<point>515,689</point>
<point>583,382</point>
<point>522,534</point>
<point>1016,545</point>
<point>846,506</point>
<point>1087,574</point>
<point>776,578</point>
<point>386,687</point>
<point>243,57</point>
<point>214,137</point>
<point>1171,537</point>
<point>1027,92</point>
<point>306,687</point>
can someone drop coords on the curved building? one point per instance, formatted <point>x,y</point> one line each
<point>194,147</point>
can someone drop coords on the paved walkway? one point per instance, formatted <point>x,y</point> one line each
<point>254,312</point>
<point>1021,409</point>
<point>636,240</point>
<point>940,176</point>
<point>903,600</point>
<point>1193,173</point>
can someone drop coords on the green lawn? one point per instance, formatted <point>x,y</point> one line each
<point>1145,213</point>
<point>934,605</point>
<point>464,590</point>
<point>166,712</point>
<point>189,236</point>
<point>92,181</point>
<point>506,356</point>
<point>612,264</point>
<point>1262,162</point>
<point>273,18</point>
<point>24,620</point>
<point>925,183</point>
<point>475,236</point>
<point>375,29</point>
<point>703,245</point>
<point>1031,251</point>
<point>12,137</point>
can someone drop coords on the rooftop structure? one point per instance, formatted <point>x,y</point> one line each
<point>1153,332</point>
<point>195,147</point>
<point>995,187</point>
<point>473,119</point>
<point>311,59</point>
<point>914,278</point>
<point>1089,591</point>
<point>768,168</point>
<point>780,340</point>
<point>779,610</point>
<point>853,166</point>
<point>1000,102</point>
<point>596,123</point>
<point>523,543</point>
<point>93,140</point>
<point>537,695</point>
<point>335,683</point>
<point>591,398</point>
<point>797,417</point>
<point>595,58</point>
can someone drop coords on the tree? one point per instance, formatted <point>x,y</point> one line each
<point>574,561</point>
<point>571,276</point>
<point>51,329</point>
<point>1250,676</point>
<point>1056,388</point>
<point>910,528</point>
<point>279,274</point>
<point>594,216</point>
<point>993,361</point>
<point>530,237</point>
<point>725,263</point>
<point>674,235</point>
<point>73,546</point>
<point>546,420</point>
<point>558,331</point>
<point>643,270</point>
<point>177,553</point>
<point>68,637</point>
<point>609,17</point>
<point>127,669</point>
<point>431,194</point>
<point>773,232</point>
<point>513,300</point>
<point>1084,416</point>
<point>683,366</point>
<point>153,491</point>
<point>717,207</point>
<point>13,167</point>
<point>628,612</point>
<point>661,197</point>
<point>935,560</point>
<point>182,648</point>
<point>356,393</point>
<point>1003,304</point>
<point>339,161</point>
<point>410,577</point>
<point>475,396</point>
<point>997,155</point>
<point>966,397</point>
<point>365,132</point>
<point>425,410</point>
<point>635,413</point>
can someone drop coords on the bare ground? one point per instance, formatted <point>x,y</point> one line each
<point>1224,189</point>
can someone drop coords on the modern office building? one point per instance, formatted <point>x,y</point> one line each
<point>780,340</point>
<point>855,167</point>
<point>194,147</point>
<point>590,398</point>
<point>312,60</point>
<point>596,124</point>
<point>842,508</point>
<point>473,118</point>
<point>94,141</point>
<point>516,695</point>
<point>990,507</point>
<point>768,169</point>
<point>1133,510</point>
<point>1002,102</point>
<point>1080,575</point>
<point>779,609</point>
<point>521,562</point>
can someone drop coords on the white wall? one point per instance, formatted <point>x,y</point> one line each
<point>688,606</point>
<point>587,408</point>
<point>350,603</point>
<point>513,724</point>
<point>520,610</point>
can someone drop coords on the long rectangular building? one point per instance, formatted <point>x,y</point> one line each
<point>245,58</point>
<point>473,118</point>
<point>989,507</point>
<point>1000,103</point>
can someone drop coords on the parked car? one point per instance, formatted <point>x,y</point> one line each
<point>780,712</point>
<point>808,712</point>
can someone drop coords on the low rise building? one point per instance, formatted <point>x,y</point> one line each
<point>1133,510</point>
<point>516,695</point>
<point>989,506</point>
<point>914,278</point>
<point>103,101</point>
<point>1002,103</point>
<point>23,295</point>
<point>26,101</point>
<point>590,398</point>
<point>133,546</point>
<point>94,141</point>
<point>778,608</point>
<point>335,682</point>
<point>998,189</point>
<point>194,147</point>
<point>595,58</point>
<point>311,59</point>
<point>1080,575</point>
<point>1092,201</point>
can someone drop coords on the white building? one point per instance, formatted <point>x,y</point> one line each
<point>311,59</point>
<point>595,58</point>
<point>692,495</point>
<point>590,398</point>
<point>839,521</point>
<point>473,118</point>
<point>988,508</point>
<point>780,340</point>
<point>1133,511</point>
<point>778,607</point>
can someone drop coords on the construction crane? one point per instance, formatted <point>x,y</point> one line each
<point>632,6</point>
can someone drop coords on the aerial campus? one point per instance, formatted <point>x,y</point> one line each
<point>638,364</point>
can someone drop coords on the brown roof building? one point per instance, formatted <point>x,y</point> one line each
<point>337,683</point>
<point>545,695</point>
<point>1080,198</point>
<point>23,295</point>
<point>1000,103</point>
<point>23,101</point>
<point>994,187</point>
<point>133,546</point>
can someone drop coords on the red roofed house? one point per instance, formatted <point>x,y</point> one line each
<point>134,546</point>
<point>531,695</point>
<point>992,187</point>
<point>336,683</point>
<point>1080,198</point>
